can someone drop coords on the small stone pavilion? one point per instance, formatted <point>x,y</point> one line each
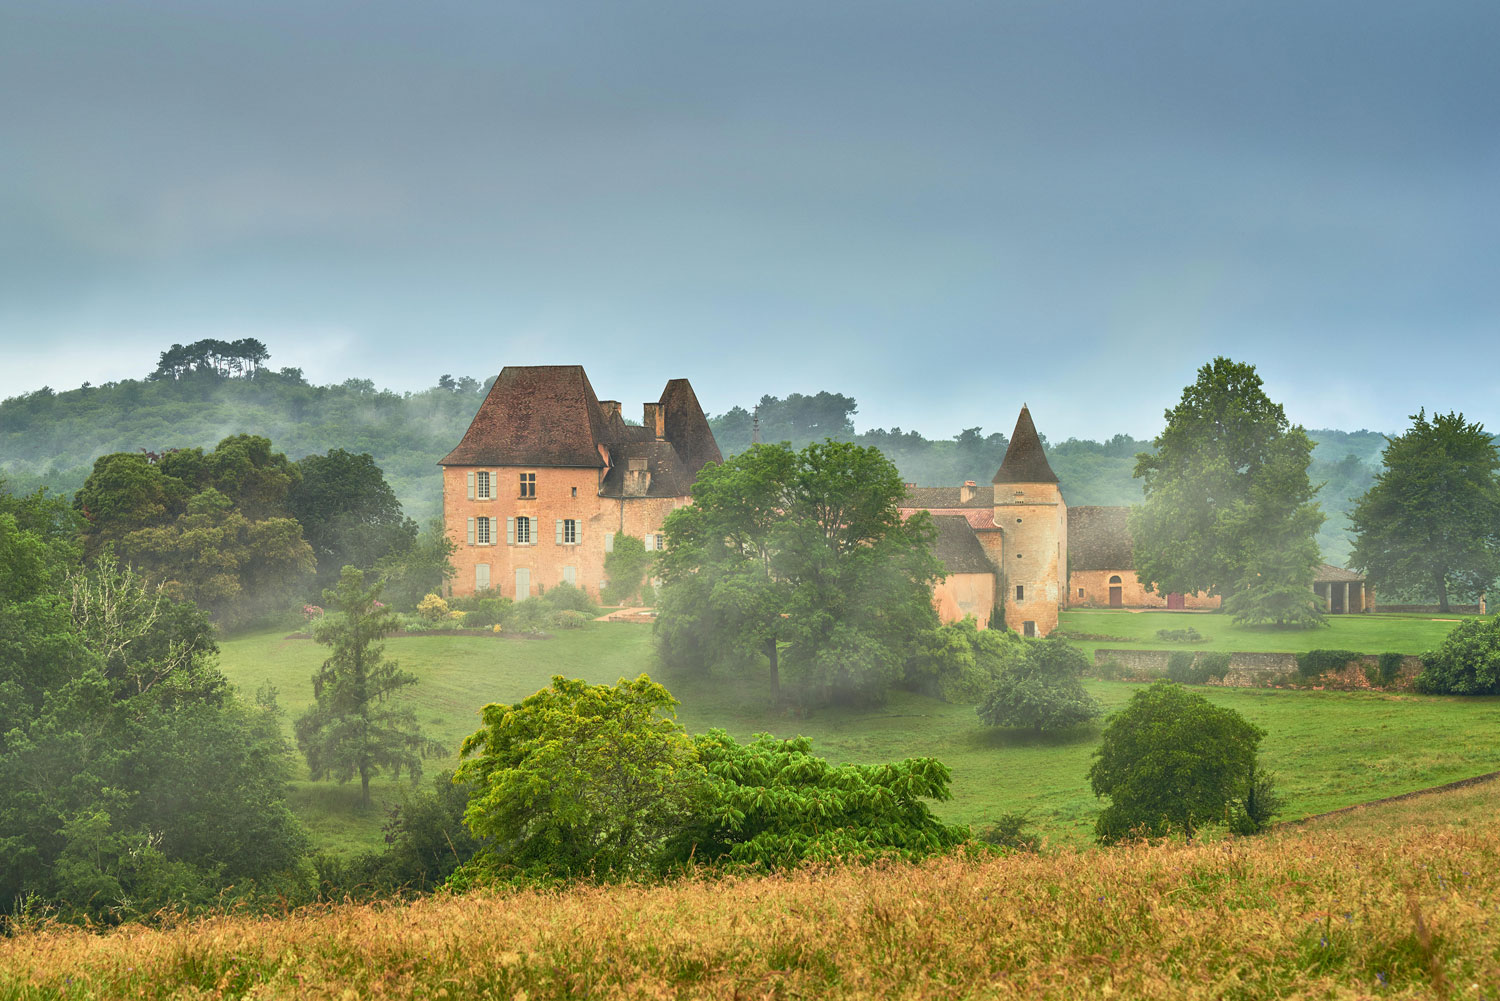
<point>1344,590</point>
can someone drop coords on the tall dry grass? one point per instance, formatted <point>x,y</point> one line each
<point>1306,913</point>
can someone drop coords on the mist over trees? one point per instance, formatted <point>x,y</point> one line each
<point>51,438</point>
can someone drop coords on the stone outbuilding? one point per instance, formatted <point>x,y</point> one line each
<point>1345,591</point>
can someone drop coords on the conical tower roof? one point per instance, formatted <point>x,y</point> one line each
<point>1025,460</point>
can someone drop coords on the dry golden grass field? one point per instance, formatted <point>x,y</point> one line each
<point>1398,901</point>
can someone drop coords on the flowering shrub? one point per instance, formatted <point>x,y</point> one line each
<point>433,608</point>
<point>312,612</point>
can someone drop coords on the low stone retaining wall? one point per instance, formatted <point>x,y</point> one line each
<point>1265,670</point>
<point>1430,609</point>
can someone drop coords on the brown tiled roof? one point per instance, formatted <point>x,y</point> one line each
<point>1327,573</point>
<point>957,546</point>
<point>1025,460</point>
<point>535,415</point>
<point>1099,539</point>
<point>670,476</point>
<point>687,429</point>
<point>948,497</point>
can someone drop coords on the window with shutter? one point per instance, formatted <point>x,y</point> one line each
<point>559,531</point>
<point>523,583</point>
<point>471,531</point>
<point>523,531</point>
<point>510,531</point>
<point>609,542</point>
<point>570,576</point>
<point>483,488</point>
<point>570,531</point>
<point>481,576</point>
<point>483,537</point>
<point>471,485</point>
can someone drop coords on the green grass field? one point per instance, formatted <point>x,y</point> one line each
<point>1330,749</point>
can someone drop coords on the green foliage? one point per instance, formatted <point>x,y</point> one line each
<point>1389,668</point>
<point>1188,635</point>
<point>1314,663</point>
<point>1172,762</point>
<point>566,597</point>
<point>569,618</point>
<point>1229,506</point>
<point>803,557</point>
<point>408,575</point>
<point>131,777</point>
<point>1467,663</point>
<point>772,804</point>
<point>1186,668</point>
<point>1011,832</point>
<point>959,662</point>
<point>213,527</point>
<point>348,513</point>
<point>1431,522</point>
<point>1041,689</point>
<point>625,569</point>
<point>355,727</point>
<point>481,611</point>
<point>578,779</point>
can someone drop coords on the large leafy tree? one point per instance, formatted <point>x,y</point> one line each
<point>579,779</point>
<point>131,776</point>
<point>356,727</point>
<point>1431,522</point>
<point>1173,762</point>
<point>1229,506</point>
<point>803,557</point>
<point>348,513</point>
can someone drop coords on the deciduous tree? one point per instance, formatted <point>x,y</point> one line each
<point>1041,689</point>
<point>1431,522</point>
<point>1229,507</point>
<point>348,513</point>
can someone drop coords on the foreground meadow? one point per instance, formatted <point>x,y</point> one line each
<point>1369,905</point>
<point>1329,749</point>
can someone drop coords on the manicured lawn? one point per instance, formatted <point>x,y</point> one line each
<point>1330,749</point>
<point>1377,633</point>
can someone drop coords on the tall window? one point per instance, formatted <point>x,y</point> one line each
<point>570,576</point>
<point>482,534</point>
<point>570,532</point>
<point>523,531</point>
<point>1020,592</point>
<point>528,484</point>
<point>483,487</point>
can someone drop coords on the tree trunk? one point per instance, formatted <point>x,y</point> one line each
<point>771,655</point>
<point>364,787</point>
<point>1442,585</point>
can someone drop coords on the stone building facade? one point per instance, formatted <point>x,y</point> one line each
<point>548,475</point>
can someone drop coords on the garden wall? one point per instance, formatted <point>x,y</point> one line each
<point>1262,670</point>
<point>1430,609</point>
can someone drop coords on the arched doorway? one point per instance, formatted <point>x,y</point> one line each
<point>1116,592</point>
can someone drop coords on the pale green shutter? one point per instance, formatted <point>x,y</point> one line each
<point>559,531</point>
<point>609,542</point>
<point>510,531</point>
<point>471,531</point>
<point>471,485</point>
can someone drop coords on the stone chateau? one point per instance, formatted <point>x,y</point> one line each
<point>548,475</point>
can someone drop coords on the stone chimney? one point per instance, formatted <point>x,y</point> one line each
<point>610,407</point>
<point>637,477</point>
<point>655,420</point>
<point>966,492</point>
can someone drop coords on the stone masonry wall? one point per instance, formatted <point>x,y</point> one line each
<point>1257,670</point>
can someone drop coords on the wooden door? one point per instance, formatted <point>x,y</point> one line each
<point>1116,597</point>
<point>1176,602</point>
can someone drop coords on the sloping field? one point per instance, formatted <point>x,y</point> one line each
<point>1373,908</point>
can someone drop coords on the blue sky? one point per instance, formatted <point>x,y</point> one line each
<point>941,209</point>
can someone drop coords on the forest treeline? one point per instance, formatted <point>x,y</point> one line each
<point>204,392</point>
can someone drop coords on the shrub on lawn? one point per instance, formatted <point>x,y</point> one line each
<point>1187,669</point>
<point>1041,690</point>
<point>1468,662</point>
<point>567,597</point>
<point>1010,831</point>
<point>570,618</point>
<point>1188,635</point>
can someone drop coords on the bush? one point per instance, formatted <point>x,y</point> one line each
<point>569,618</point>
<point>1390,667</point>
<point>567,597</point>
<point>1009,831</point>
<point>1180,668</point>
<point>1041,690</point>
<point>959,662</point>
<point>1172,762</point>
<point>432,608</point>
<point>1187,669</point>
<point>482,612</point>
<point>1188,635</point>
<point>626,567</point>
<point>1468,662</point>
<point>1315,663</point>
